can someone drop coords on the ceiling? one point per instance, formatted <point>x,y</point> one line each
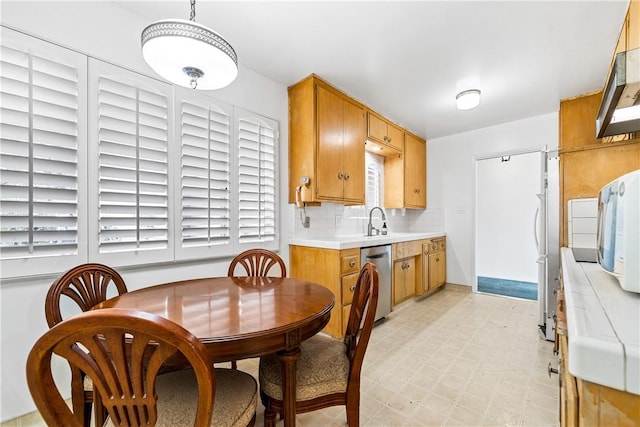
<point>408,60</point>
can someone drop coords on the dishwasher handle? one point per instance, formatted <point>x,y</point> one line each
<point>377,256</point>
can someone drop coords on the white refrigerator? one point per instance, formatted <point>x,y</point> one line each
<point>546,237</point>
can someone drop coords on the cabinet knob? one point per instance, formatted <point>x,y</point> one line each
<point>346,176</point>
<point>340,175</point>
<point>352,288</point>
<point>437,259</point>
<point>352,263</point>
<point>389,139</point>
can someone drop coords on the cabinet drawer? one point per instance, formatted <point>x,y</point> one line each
<point>345,317</point>
<point>348,287</point>
<point>407,249</point>
<point>435,245</point>
<point>350,262</point>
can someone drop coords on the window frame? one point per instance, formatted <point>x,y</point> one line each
<point>45,264</point>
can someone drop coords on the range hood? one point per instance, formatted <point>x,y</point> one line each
<point>620,108</point>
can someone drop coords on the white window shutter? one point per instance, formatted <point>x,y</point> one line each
<point>257,180</point>
<point>204,130</point>
<point>131,127</point>
<point>42,173</point>
<point>375,180</point>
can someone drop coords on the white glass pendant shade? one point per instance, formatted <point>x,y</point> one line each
<point>189,54</point>
<point>468,99</point>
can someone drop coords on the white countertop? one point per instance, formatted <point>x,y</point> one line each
<point>359,240</point>
<point>603,322</point>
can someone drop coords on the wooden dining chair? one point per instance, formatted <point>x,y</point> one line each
<point>122,352</point>
<point>258,263</point>
<point>78,290</point>
<point>328,370</point>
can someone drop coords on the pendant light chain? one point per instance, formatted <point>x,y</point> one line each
<point>192,17</point>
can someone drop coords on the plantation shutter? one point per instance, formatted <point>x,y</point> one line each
<point>133,164</point>
<point>41,126</point>
<point>375,180</point>
<point>205,132</point>
<point>257,147</point>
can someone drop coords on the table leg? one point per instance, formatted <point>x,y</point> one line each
<point>288,359</point>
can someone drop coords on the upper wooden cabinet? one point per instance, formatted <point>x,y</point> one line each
<point>409,172</point>
<point>384,132</point>
<point>326,143</point>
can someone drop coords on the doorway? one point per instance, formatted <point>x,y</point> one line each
<point>507,190</point>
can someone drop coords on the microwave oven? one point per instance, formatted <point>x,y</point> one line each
<point>618,237</point>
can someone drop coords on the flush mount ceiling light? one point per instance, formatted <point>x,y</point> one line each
<point>468,99</point>
<point>189,54</point>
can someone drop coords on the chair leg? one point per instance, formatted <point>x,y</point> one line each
<point>86,420</point>
<point>353,410</point>
<point>269,414</point>
<point>100,412</point>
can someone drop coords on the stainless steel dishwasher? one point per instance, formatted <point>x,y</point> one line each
<point>381,257</point>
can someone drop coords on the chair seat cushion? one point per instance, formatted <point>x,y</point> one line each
<point>322,369</point>
<point>235,398</point>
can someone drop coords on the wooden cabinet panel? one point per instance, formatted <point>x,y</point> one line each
<point>578,121</point>
<point>353,153</point>
<point>348,287</point>
<point>326,143</point>
<point>423,286</point>
<point>350,261</point>
<point>404,279</point>
<point>384,132</point>
<point>330,145</point>
<point>346,310</point>
<point>584,172</point>
<point>415,172</point>
<point>336,270</point>
<point>408,172</point>
<point>406,249</point>
<point>437,260</point>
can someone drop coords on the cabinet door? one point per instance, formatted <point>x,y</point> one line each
<point>424,285</point>
<point>395,136</point>
<point>415,172</point>
<point>353,157</point>
<point>437,265</point>
<point>377,128</point>
<point>410,275</point>
<point>330,110</point>
<point>404,279</point>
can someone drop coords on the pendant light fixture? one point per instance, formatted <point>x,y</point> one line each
<point>468,99</point>
<point>189,54</point>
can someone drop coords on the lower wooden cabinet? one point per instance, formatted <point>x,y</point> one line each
<point>434,265</point>
<point>404,279</point>
<point>337,270</point>
<point>583,403</point>
<point>437,263</point>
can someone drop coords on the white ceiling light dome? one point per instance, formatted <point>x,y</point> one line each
<point>468,99</point>
<point>189,54</point>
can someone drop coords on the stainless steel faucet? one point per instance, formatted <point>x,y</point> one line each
<point>370,227</point>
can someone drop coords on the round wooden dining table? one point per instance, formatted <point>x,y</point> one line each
<point>241,317</point>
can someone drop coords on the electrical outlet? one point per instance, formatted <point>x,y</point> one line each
<point>307,222</point>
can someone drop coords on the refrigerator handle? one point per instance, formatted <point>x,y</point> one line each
<point>535,228</point>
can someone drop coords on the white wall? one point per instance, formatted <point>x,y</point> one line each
<point>451,179</point>
<point>506,206</point>
<point>22,318</point>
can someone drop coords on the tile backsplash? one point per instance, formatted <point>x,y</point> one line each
<point>582,222</point>
<point>331,219</point>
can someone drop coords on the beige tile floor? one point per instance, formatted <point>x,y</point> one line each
<point>452,359</point>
